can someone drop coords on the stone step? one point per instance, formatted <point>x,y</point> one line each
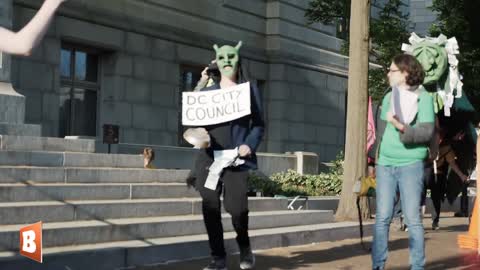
<point>316,203</point>
<point>51,211</point>
<point>108,230</point>
<point>15,174</point>
<point>123,254</point>
<point>20,129</point>
<point>21,192</point>
<point>32,143</point>
<point>69,159</point>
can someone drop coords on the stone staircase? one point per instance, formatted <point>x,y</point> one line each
<point>105,211</point>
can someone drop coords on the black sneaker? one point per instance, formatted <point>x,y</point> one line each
<point>435,226</point>
<point>461,214</point>
<point>217,264</point>
<point>247,259</point>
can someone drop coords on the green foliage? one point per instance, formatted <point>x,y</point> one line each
<point>332,13</point>
<point>264,184</point>
<point>377,84</point>
<point>459,19</point>
<point>388,30</point>
<point>290,183</point>
<point>328,12</point>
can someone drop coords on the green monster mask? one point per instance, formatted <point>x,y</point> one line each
<point>434,60</point>
<point>227,58</point>
<point>439,60</point>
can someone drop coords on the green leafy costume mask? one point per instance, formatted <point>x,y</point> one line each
<point>438,58</point>
<point>434,60</point>
<point>227,58</point>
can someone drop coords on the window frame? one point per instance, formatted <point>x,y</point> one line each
<point>184,68</point>
<point>72,83</point>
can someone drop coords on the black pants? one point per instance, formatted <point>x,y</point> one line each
<point>427,175</point>
<point>233,183</point>
<point>438,187</point>
<point>464,199</point>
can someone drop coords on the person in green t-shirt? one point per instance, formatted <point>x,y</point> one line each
<point>400,164</point>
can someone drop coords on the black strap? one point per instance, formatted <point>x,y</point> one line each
<point>444,155</point>
<point>361,226</point>
<point>377,109</point>
<point>379,132</point>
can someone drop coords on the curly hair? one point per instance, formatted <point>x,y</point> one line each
<point>408,63</point>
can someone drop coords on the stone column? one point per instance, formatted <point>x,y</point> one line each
<point>12,104</point>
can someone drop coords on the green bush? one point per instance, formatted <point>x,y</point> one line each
<point>290,183</point>
<point>263,184</point>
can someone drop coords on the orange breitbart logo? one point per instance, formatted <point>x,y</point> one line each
<point>31,242</point>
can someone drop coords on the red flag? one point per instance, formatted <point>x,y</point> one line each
<point>370,126</point>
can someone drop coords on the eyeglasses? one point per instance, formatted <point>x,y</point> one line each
<point>392,70</point>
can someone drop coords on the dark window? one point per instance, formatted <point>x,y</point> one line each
<point>79,91</point>
<point>189,77</point>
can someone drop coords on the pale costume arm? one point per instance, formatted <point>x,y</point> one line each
<point>23,42</point>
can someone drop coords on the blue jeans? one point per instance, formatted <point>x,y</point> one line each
<point>409,182</point>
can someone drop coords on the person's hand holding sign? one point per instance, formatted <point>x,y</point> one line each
<point>244,150</point>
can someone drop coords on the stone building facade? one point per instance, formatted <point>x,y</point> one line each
<point>126,62</point>
<point>421,16</point>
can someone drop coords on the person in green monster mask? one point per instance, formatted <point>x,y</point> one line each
<point>245,135</point>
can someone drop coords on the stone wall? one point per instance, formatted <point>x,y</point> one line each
<point>306,110</point>
<point>37,77</point>
<point>421,16</point>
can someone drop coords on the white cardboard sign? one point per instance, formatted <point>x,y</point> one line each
<point>205,108</point>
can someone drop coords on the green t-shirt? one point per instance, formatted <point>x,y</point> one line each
<point>392,151</point>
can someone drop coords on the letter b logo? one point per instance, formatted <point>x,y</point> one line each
<point>31,242</point>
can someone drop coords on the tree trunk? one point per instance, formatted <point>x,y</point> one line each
<point>357,103</point>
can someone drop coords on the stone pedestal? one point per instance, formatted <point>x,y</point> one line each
<point>12,109</point>
<point>307,162</point>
